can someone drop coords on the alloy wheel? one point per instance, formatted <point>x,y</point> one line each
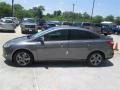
<point>23,58</point>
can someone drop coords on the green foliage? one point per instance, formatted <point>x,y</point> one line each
<point>5,9</point>
<point>37,12</point>
<point>117,20</point>
<point>57,13</point>
<point>18,11</point>
<point>68,16</point>
<point>97,19</point>
<point>86,15</point>
<point>110,18</point>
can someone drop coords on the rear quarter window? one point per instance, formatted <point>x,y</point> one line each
<point>82,35</point>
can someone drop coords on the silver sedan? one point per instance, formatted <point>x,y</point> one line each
<point>7,25</point>
<point>59,43</point>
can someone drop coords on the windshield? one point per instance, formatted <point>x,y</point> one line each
<point>8,21</point>
<point>41,33</point>
<point>29,21</point>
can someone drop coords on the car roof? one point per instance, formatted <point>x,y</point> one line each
<point>70,27</point>
<point>6,19</point>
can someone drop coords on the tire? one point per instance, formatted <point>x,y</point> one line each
<point>95,59</point>
<point>23,58</point>
<point>23,32</point>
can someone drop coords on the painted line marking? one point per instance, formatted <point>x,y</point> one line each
<point>35,80</point>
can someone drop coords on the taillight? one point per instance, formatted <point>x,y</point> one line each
<point>110,43</point>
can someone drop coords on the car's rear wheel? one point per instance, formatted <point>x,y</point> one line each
<point>23,58</point>
<point>95,59</point>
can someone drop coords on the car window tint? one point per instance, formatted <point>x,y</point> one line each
<point>57,35</point>
<point>82,35</point>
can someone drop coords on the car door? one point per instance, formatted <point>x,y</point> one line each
<point>79,44</point>
<point>55,46</point>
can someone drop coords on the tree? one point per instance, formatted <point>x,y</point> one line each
<point>86,15</point>
<point>97,19</point>
<point>57,13</point>
<point>48,14</point>
<point>37,11</point>
<point>18,11</point>
<point>68,16</point>
<point>27,13</point>
<point>77,17</point>
<point>110,18</point>
<point>5,9</point>
<point>117,20</point>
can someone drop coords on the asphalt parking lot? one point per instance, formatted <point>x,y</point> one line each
<point>59,75</point>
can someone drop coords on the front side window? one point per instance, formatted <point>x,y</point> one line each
<point>57,35</point>
<point>82,35</point>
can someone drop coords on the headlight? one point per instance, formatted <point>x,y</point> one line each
<point>6,45</point>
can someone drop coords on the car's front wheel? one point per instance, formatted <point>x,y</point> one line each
<point>95,59</point>
<point>23,58</point>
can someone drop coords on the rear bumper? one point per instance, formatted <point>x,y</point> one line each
<point>109,54</point>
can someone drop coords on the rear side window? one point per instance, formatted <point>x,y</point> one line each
<point>82,35</point>
<point>59,35</point>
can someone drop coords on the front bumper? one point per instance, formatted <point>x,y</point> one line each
<point>29,30</point>
<point>7,53</point>
<point>109,54</point>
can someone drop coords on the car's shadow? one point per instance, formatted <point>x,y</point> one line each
<point>7,31</point>
<point>63,64</point>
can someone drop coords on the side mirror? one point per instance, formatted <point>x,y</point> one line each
<point>42,40</point>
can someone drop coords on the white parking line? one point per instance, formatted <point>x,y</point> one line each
<point>35,80</point>
<point>2,70</point>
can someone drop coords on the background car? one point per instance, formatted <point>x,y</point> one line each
<point>41,23</point>
<point>67,23</point>
<point>106,29</point>
<point>29,25</point>
<point>49,24</point>
<point>115,29</point>
<point>60,43</point>
<point>14,19</point>
<point>95,27</point>
<point>86,25</point>
<point>77,24</point>
<point>7,25</point>
<point>58,23</point>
